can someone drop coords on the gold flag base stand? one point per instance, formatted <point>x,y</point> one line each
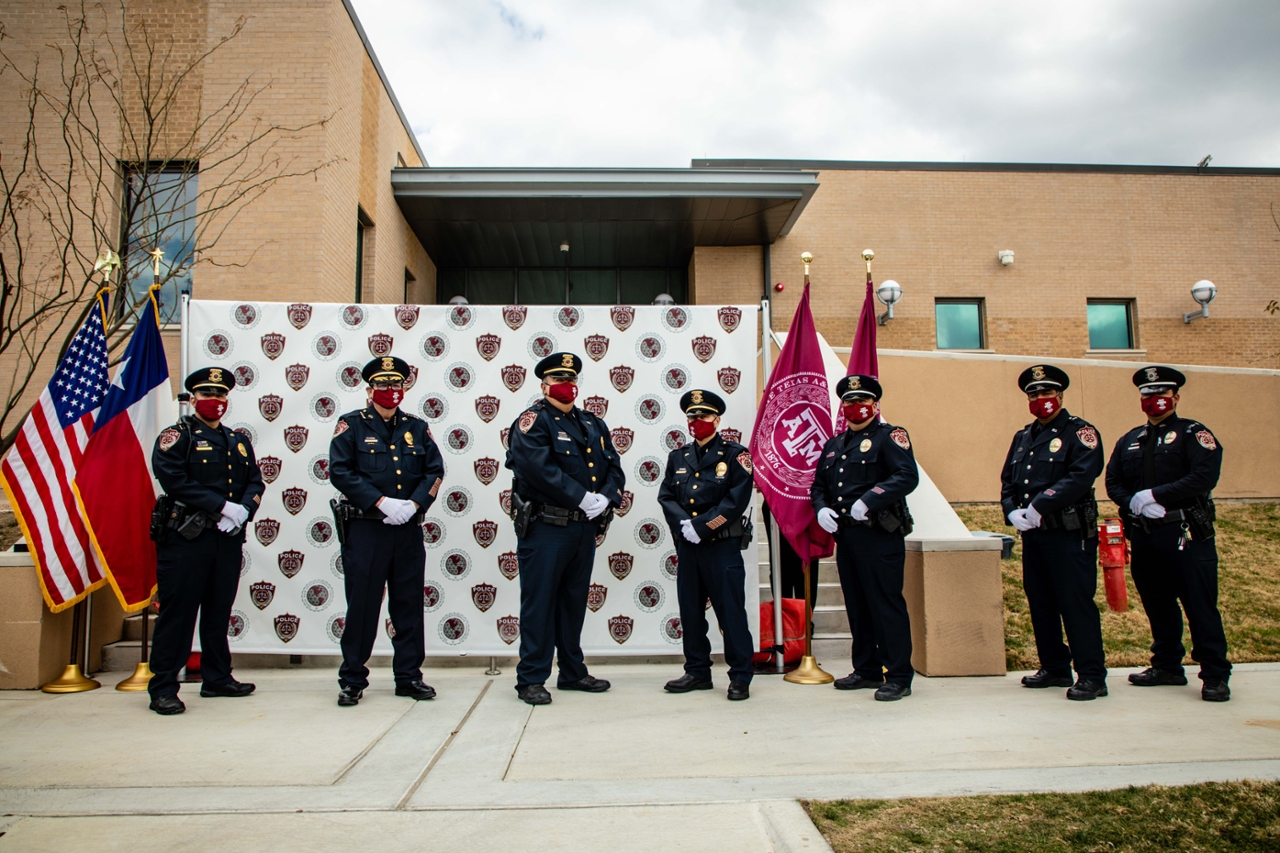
<point>137,682</point>
<point>71,681</point>
<point>808,672</point>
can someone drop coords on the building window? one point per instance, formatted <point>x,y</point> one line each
<point>159,212</point>
<point>410,292</point>
<point>960,324</point>
<point>363,223</point>
<point>1110,324</point>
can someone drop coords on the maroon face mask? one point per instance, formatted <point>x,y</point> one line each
<point>702,429</point>
<point>856,413</point>
<point>564,392</point>
<point>1044,407</point>
<point>211,410</point>
<point>388,398</point>
<point>1154,406</point>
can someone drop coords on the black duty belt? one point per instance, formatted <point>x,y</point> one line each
<point>547,511</point>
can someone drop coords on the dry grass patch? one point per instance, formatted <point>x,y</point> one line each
<point>9,530</point>
<point>1248,590</point>
<point>1231,817</point>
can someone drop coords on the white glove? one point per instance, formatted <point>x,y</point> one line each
<point>1141,500</point>
<point>397,511</point>
<point>1153,510</point>
<point>686,527</point>
<point>1033,517</point>
<point>226,525</point>
<point>1018,518</point>
<point>235,513</point>
<point>859,511</point>
<point>593,504</point>
<point>828,519</point>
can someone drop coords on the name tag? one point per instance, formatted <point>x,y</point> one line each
<point>201,444</point>
<point>563,437</point>
<point>371,440</point>
<point>1134,446</point>
<point>682,471</point>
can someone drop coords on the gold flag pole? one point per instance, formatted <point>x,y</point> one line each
<point>808,672</point>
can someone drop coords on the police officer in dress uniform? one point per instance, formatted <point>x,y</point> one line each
<point>1162,475</point>
<point>568,480</point>
<point>389,469</point>
<point>859,492</point>
<point>212,474</point>
<point>1047,494</point>
<point>704,495</point>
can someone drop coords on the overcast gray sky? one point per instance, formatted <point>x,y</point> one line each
<point>660,82</point>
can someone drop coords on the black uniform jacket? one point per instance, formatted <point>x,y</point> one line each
<point>711,486</point>
<point>1053,468</point>
<point>205,467</point>
<point>875,466</point>
<point>558,457</point>
<point>1187,462</point>
<point>370,458</point>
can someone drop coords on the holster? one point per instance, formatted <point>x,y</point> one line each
<point>604,521</point>
<point>160,524</point>
<point>521,512</point>
<point>341,518</point>
<point>1080,518</point>
<point>894,518</point>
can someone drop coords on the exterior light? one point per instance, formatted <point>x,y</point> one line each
<point>888,293</point>
<point>1006,257</point>
<point>664,299</point>
<point>564,246</point>
<point>459,300</point>
<point>1204,292</point>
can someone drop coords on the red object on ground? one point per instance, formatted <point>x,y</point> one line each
<point>1113,554</point>
<point>792,631</point>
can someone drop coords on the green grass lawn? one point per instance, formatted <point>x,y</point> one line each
<point>1248,590</point>
<point>1233,817</point>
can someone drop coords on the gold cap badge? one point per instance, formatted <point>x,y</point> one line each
<point>1037,372</point>
<point>388,364</point>
<point>215,374</point>
<point>696,397</point>
<point>1152,374</point>
<point>855,383</point>
<point>566,360</point>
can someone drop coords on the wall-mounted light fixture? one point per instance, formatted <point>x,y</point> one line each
<point>1204,292</point>
<point>889,292</point>
<point>1006,257</point>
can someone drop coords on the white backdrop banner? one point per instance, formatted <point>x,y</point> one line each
<point>297,368</point>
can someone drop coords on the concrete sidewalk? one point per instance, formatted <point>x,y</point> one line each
<point>632,769</point>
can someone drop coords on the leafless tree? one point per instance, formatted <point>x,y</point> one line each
<point>114,122</point>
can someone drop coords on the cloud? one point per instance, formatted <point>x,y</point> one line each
<point>542,83</point>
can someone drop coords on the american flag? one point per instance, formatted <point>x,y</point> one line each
<point>38,470</point>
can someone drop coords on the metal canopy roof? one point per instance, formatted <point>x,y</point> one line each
<point>611,217</point>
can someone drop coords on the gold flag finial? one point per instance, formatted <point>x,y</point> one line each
<point>156,254</point>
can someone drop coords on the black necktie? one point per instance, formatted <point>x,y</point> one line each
<point>1149,460</point>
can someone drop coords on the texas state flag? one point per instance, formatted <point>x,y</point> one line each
<point>114,483</point>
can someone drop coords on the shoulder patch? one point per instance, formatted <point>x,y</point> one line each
<point>1088,437</point>
<point>340,427</point>
<point>900,438</point>
<point>527,420</point>
<point>1206,440</point>
<point>744,459</point>
<point>169,438</point>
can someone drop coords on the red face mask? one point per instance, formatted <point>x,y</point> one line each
<point>388,398</point>
<point>211,410</point>
<point>1154,406</point>
<point>702,429</point>
<point>856,413</point>
<point>1044,407</point>
<point>563,392</point>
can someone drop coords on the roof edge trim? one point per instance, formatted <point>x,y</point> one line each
<point>386,84</point>
<point>941,166</point>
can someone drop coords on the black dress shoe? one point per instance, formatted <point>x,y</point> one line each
<point>1085,689</point>
<point>533,694</point>
<point>349,696</point>
<point>738,690</point>
<point>892,691</point>
<point>1152,677</point>
<point>853,681</point>
<point>416,689</point>
<point>231,688</point>
<point>1045,678</point>
<point>686,683</point>
<point>167,705</point>
<point>587,684</point>
<point>1215,690</point>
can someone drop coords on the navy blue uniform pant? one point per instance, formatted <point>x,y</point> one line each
<point>200,575</point>
<point>555,573</point>
<point>1166,576</point>
<point>713,570</point>
<point>870,562</point>
<point>378,555</point>
<point>1060,577</point>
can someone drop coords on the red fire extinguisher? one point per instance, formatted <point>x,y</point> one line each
<point>1113,553</point>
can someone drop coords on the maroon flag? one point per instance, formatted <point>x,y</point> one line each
<point>793,424</point>
<point>862,357</point>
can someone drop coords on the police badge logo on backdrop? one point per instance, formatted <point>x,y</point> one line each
<point>474,364</point>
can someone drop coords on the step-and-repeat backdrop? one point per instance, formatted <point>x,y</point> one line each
<point>297,368</point>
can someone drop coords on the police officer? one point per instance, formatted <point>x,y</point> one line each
<point>389,469</point>
<point>212,474</point>
<point>704,495</point>
<point>567,482</point>
<point>1162,475</point>
<point>859,492</point>
<point>1047,494</point>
